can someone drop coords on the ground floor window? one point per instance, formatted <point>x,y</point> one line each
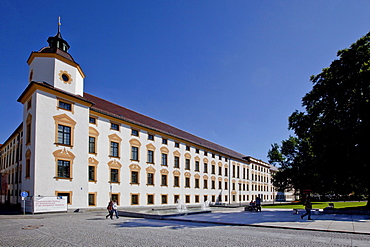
<point>150,199</point>
<point>134,199</point>
<point>115,197</point>
<point>92,199</point>
<point>164,199</point>
<point>176,198</point>
<point>68,194</point>
<point>187,199</point>
<point>196,198</point>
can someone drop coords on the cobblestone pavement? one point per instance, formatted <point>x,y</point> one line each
<point>92,229</point>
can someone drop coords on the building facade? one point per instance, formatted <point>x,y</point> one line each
<point>75,144</point>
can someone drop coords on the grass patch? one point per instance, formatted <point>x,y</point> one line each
<point>320,205</point>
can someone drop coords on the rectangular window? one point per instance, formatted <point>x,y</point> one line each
<point>134,177</point>
<point>213,183</point>
<point>150,199</point>
<point>187,182</point>
<point>225,185</point>
<point>164,180</point>
<point>233,171</point>
<point>176,181</point>
<point>91,199</point>
<point>64,135</point>
<point>150,156</point>
<point>187,164</point>
<point>114,175</point>
<point>197,150</point>
<point>187,199</point>
<point>187,148</point>
<point>92,173</point>
<point>164,159</point>
<point>205,168</point>
<point>92,120</point>
<point>68,195</point>
<point>150,179</point>
<point>91,144</point>
<point>243,172</point>
<point>164,199</point>
<point>114,149</point>
<point>196,198</point>
<point>135,153</point>
<point>65,106</point>
<point>219,185</point>
<point>28,167</point>
<point>115,197</point>
<point>134,199</point>
<point>213,169</point>
<point>164,141</point>
<point>134,132</point>
<point>197,166</point>
<point>150,137</point>
<point>28,133</point>
<point>63,169</point>
<point>238,171</point>
<point>205,184</point>
<point>213,198</point>
<point>177,145</point>
<point>114,126</point>
<point>177,162</point>
<point>205,198</point>
<point>220,170</point>
<point>225,171</point>
<point>213,156</point>
<point>196,185</point>
<point>176,198</point>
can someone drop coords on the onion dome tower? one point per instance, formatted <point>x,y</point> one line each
<point>55,66</point>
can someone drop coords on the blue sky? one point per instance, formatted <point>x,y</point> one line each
<point>228,71</point>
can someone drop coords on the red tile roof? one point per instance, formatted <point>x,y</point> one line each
<point>114,110</point>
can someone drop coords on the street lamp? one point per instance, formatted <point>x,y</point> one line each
<point>110,186</point>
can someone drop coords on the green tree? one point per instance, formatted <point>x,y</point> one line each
<point>336,120</point>
<point>295,162</point>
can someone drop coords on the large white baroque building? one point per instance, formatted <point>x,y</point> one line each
<point>75,144</point>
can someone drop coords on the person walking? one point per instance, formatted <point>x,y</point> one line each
<point>114,209</point>
<point>258,204</point>
<point>308,207</point>
<point>110,210</point>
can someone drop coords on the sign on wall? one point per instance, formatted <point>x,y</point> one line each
<point>45,204</point>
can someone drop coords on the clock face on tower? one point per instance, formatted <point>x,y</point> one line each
<point>65,77</point>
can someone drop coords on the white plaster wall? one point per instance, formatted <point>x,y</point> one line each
<point>43,69</point>
<point>125,188</point>
<point>76,86</point>
<point>47,69</point>
<point>46,184</point>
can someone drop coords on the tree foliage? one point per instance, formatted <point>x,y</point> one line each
<point>336,122</point>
